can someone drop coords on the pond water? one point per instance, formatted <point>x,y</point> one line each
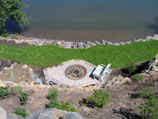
<point>90,20</point>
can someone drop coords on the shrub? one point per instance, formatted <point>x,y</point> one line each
<point>132,68</point>
<point>66,106</point>
<point>20,111</point>
<point>149,110</point>
<point>16,89</point>
<point>53,96</point>
<point>23,98</point>
<point>3,92</point>
<point>137,77</point>
<point>100,98</point>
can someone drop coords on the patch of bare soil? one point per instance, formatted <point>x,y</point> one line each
<point>123,103</point>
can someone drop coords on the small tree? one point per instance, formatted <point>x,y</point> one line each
<point>149,110</point>
<point>100,98</point>
<point>12,9</point>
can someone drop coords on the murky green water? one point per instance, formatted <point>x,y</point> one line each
<point>82,20</point>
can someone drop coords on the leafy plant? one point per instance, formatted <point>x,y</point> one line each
<point>66,106</point>
<point>132,68</point>
<point>137,77</point>
<point>100,98</point>
<point>149,110</point>
<point>3,92</point>
<point>16,89</point>
<point>23,98</point>
<point>53,96</point>
<point>20,111</point>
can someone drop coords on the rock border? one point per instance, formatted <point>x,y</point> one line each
<point>69,44</point>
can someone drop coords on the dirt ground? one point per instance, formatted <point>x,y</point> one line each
<point>123,103</point>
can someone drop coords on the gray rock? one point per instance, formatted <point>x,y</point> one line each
<point>156,35</point>
<point>80,45</point>
<point>108,42</point>
<point>151,73</point>
<point>53,114</point>
<point>1,38</point>
<point>14,116</point>
<point>149,37</point>
<point>67,44</point>
<point>128,42</point>
<point>86,45</point>
<point>88,42</point>
<point>37,42</point>
<point>97,42</point>
<point>54,42</point>
<point>74,45</point>
<point>3,114</point>
<point>103,41</point>
<point>116,44</point>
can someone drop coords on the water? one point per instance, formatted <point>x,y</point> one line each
<point>90,20</point>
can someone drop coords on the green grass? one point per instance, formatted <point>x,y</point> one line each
<point>119,56</point>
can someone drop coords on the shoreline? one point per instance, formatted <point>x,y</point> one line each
<point>26,41</point>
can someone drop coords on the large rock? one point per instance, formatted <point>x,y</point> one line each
<point>53,114</point>
<point>14,116</point>
<point>3,114</point>
<point>67,44</point>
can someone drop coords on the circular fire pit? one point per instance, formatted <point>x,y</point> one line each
<point>75,72</point>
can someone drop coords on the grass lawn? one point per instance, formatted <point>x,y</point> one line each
<point>119,56</point>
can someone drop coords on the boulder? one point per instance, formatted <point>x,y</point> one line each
<point>3,114</point>
<point>53,114</point>
<point>54,42</point>
<point>86,45</point>
<point>97,42</point>
<point>67,44</point>
<point>103,41</point>
<point>80,45</point>
<point>149,38</point>
<point>14,116</point>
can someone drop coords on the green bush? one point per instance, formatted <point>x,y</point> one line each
<point>132,68</point>
<point>53,96</point>
<point>20,111</point>
<point>66,106</point>
<point>137,77</point>
<point>3,92</point>
<point>100,98</point>
<point>23,98</point>
<point>16,89</point>
<point>149,110</point>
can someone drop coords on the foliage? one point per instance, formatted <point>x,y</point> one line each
<point>132,68</point>
<point>53,96</point>
<point>137,77</point>
<point>23,97</point>
<point>66,106</point>
<point>149,110</point>
<point>16,89</point>
<point>3,92</point>
<point>20,111</point>
<point>118,56</point>
<point>12,9</point>
<point>100,98</point>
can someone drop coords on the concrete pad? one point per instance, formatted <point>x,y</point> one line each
<point>56,74</point>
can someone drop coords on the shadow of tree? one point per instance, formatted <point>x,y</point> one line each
<point>12,27</point>
<point>127,113</point>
